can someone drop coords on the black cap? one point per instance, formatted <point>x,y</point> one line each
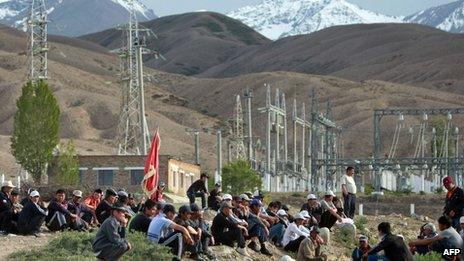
<point>131,196</point>
<point>169,208</point>
<point>15,192</point>
<point>119,206</point>
<point>204,174</point>
<point>285,207</point>
<point>185,209</point>
<point>111,192</point>
<point>194,207</point>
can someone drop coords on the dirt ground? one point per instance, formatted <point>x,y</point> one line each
<point>13,243</point>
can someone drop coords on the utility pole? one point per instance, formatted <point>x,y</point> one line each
<point>37,42</point>
<point>133,133</point>
<point>248,96</point>
<point>236,137</point>
<point>218,177</point>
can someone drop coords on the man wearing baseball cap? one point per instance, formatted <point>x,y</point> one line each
<point>257,228</point>
<point>164,231</point>
<point>199,189</point>
<point>454,202</point>
<point>310,247</point>
<point>110,242</point>
<point>103,210</point>
<point>80,209</point>
<point>5,204</point>
<point>294,234</point>
<point>226,232</point>
<point>361,249</point>
<point>32,216</point>
<point>329,216</point>
<point>313,207</point>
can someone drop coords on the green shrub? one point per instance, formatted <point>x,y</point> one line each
<point>78,246</point>
<point>360,223</point>
<point>431,256</point>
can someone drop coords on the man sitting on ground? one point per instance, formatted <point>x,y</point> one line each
<point>110,242</point>
<point>184,219</point>
<point>199,189</point>
<point>59,217</point>
<point>393,246</point>
<point>92,203</point>
<point>313,207</point>
<point>141,221</point>
<point>427,231</point>
<point>80,209</point>
<point>361,249</point>
<point>103,210</point>
<point>310,248</point>
<point>448,237</point>
<point>164,231</point>
<point>123,198</point>
<point>329,216</point>
<point>5,205</point>
<point>257,229</point>
<point>214,198</point>
<point>32,216</point>
<point>294,234</point>
<point>133,205</point>
<point>9,218</point>
<point>197,222</point>
<point>225,231</point>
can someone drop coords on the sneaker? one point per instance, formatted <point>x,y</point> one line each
<point>242,251</point>
<point>253,246</point>
<point>265,251</point>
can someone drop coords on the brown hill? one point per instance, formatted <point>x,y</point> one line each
<point>191,42</point>
<point>82,76</point>
<point>401,53</point>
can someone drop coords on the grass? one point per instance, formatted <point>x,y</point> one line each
<point>78,246</point>
<point>432,256</point>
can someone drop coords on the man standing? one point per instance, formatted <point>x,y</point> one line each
<point>349,192</point>
<point>199,189</point>
<point>454,202</point>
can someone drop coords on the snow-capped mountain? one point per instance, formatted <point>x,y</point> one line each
<point>448,17</point>
<point>75,17</point>
<point>279,18</point>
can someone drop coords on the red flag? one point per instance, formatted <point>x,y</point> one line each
<point>150,180</point>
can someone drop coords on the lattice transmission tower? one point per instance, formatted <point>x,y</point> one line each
<point>236,137</point>
<point>37,41</point>
<point>133,134</point>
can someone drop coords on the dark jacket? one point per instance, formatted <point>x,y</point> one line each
<point>78,208</point>
<point>221,224</point>
<point>197,186</point>
<point>315,212</point>
<point>394,248</point>
<point>103,211</point>
<point>110,234</point>
<point>455,202</point>
<point>57,207</point>
<point>5,202</point>
<point>29,211</point>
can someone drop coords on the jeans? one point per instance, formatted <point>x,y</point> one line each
<point>201,195</point>
<point>377,258</point>
<point>349,205</point>
<point>111,253</point>
<point>294,245</point>
<point>33,225</point>
<point>228,238</point>
<point>455,223</point>
<point>276,233</point>
<point>257,231</point>
<point>174,241</point>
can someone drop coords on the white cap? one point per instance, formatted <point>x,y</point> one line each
<point>461,220</point>
<point>227,196</point>
<point>282,212</point>
<point>8,184</point>
<point>311,196</point>
<point>34,193</point>
<point>77,193</point>
<point>122,193</point>
<point>286,258</point>
<point>298,216</point>
<point>244,197</point>
<point>305,214</point>
<point>329,193</point>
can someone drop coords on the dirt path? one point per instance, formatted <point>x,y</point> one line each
<point>13,243</point>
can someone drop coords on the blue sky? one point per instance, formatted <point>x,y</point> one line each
<point>391,7</point>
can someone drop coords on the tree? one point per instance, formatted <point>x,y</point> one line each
<point>68,166</point>
<point>35,128</point>
<point>238,177</point>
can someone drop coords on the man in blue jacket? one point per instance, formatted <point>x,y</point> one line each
<point>32,216</point>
